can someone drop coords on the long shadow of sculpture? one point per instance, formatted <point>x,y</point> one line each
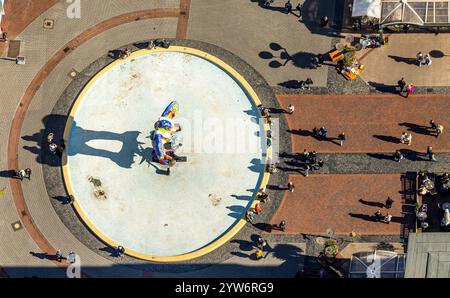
<point>79,139</point>
<point>124,158</point>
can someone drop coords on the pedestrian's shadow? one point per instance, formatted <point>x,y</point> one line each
<point>271,7</point>
<point>7,173</point>
<point>363,216</point>
<point>41,255</point>
<point>301,132</point>
<point>407,60</point>
<point>388,139</point>
<point>291,84</point>
<point>380,87</point>
<point>416,128</point>
<point>244,245</point>
<point>112,252</point>
<point>237,211</point>
<point>414,155</point>
<point>380,156</point>
<point>371,203</point>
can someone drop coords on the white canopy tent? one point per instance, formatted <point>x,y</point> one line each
<point>369,8</point>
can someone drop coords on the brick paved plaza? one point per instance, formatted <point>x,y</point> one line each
<point>191,221</point>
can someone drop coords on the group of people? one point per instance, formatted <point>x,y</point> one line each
<point>311,162</point>
<point>423,60</point>
<point>403,87</point>
<point>55,149</point>
<point>21,174</point>
<point>406,138</point>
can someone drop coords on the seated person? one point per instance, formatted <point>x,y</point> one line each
<point>423,190</point>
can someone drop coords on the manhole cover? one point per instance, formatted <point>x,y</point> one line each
<point>320,240</point>
<point>49,24</point>
<point>16,226</point>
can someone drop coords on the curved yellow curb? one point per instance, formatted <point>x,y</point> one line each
<point>216,243</point>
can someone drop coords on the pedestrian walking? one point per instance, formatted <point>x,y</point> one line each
<point>291,109</point>
<point>71,257</point>
<point>262,196</point>
<point>291,186</point>
<point>288,7</point>
<point>70,200</point>
<point>323,132</point>
<point>261,243</point>
<point>120,250</point>
<point>282,225</point>
<point>250,216</point>
<point>439,130</point>
<point>125,53</point>
<point>320,163</point>
<point>258,208</point>
<point>427,60</point>
<point>50,138</point>
<point>401,84</point>
<point>324,21</point>
<point>20,174</point>
<point>430,153</point>
<point>419,58</point>
<point>267,3</point>
<point>299,9</point>
<point>341,139</point>
<point>53,147</point>
<point>389,203</point>
<point>60,148</point>
<point>378,215</point>
<point>406,138</point>
<point>59,255</point>
<point>387,219</point>
<point>259,254</point>
<point>398,156</point>
<point>409,89</point>
<point>307,168</point>
<point>27,173</point>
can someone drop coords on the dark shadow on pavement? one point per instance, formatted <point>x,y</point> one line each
<point>416,128</point>
<point>371,203</point>
<point>380,156</point>
<point>243,244</point>
<point>406,60</point>
<point>362,216</point>
<point>384,88</point>
<point>7,173</point>
<point>388,139</point>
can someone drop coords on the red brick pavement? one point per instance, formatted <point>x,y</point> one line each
<point>363,117</point>
<point>320,202</point>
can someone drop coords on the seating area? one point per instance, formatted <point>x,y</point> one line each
<point>433,202</point>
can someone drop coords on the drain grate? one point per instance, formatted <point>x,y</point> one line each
<point>49,24</point>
